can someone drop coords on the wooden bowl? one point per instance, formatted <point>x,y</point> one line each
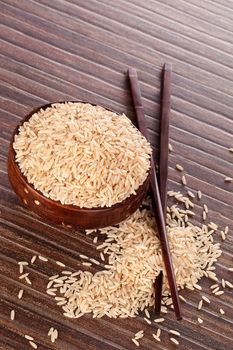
<point>68,215</point>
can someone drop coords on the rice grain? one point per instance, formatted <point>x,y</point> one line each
<point>228,284</point>
<point>219,292</point>
<point>190,194</point>
<point>183,180</point>
<point>206,299</point>
<point>33,345</point>
<point>159,320</point>
<point>199,195</point>
<point>42,258</point>
<point>20,294</point>
<point>156,337</point>
<point>147,320</point>
<point>12,315</point>
<point>228,179</point>
<point>200,304</point>
<point>223,236</point>
<point>135,342</point>
<point>174,332</point>
<point>33,259</point>
<point>174,341</point>
<point>28,337</point>
<point>179,167</point>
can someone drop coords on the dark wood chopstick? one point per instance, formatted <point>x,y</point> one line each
<point>163,162</point>
<point>158,209</point>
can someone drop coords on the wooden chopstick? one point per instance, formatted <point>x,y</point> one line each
<point>163,162</point>
<point>158,209</point>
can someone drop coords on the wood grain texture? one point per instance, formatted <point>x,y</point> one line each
<point>67,50</point>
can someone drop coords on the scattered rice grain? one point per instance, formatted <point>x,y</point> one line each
<point>197,286</point>
<point>33,345</point>
<point>156,337</point>
<point>206,299</point>
<point>20,294</point>
<point>159,320</point>
<point>199,194</point>
<point>219,292</point>
<point>228,179</point>
<point>102,256</point>
<point>135,342</point>
<point>94,261</point>
<point>33,259</point>
<point>183,180</point>
<point>200,304</point>
<point>23,276</point>
<point>182,298</point>
<point>95,239</point>
<point>82,256</point>
<point>228,284</point>
<point>12,315</point>
<point>214,286</point>
<point>223,235</point>
<point>204,215</point>
<point>24,263</point>
<point>190,194</point>
<point>179,167</point>
<point>28,280</point>
<point>175,341</point>
<point>139,335</point>
<point>222,312</point>
<point>174,332</point>
<point>50,331</point>
<point>28,337</point>
<point>147,320</point>
<point>42,258</point>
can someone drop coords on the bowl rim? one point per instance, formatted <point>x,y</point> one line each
<point>38,192</point>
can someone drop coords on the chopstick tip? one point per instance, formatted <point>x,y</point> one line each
<point>167,67</point>
<point>132,72</point>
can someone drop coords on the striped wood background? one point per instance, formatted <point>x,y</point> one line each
<point>78,49</point>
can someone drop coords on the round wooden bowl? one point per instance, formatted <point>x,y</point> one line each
<point>68,215</point>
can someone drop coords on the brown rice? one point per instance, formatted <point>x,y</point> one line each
<point>133,259</point>
<point>82,155</point>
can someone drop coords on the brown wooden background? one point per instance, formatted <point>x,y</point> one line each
<point>80,49</point>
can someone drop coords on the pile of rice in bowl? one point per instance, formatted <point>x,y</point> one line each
<point>82,155</point>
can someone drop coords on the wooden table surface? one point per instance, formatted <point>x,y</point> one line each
<point>80,49</point>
